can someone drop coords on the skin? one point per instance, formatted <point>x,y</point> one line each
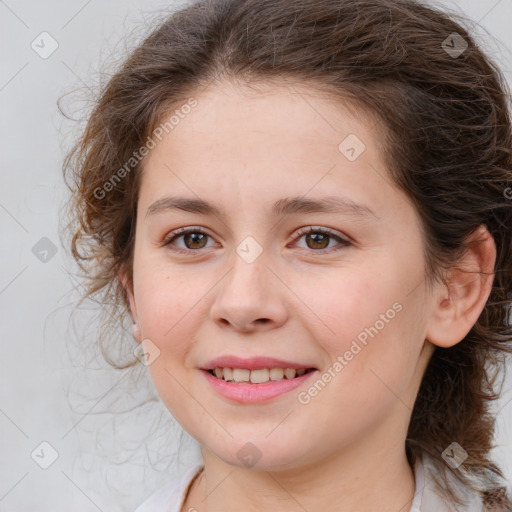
<point>345,450</point>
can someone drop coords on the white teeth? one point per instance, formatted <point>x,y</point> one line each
<point>289,373</point>
<point>259,376</point>
<point>276,374</point>
<point>241,375</point>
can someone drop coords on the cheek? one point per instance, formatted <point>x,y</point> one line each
<point>366,317</point>
<point>168,316</point>
<point>164,301</point>
<point>345,302</point>
<point>169,311</point>
<point>379,363</point>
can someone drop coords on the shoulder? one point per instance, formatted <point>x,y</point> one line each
<point>433,500</point>
<point>169,498</point>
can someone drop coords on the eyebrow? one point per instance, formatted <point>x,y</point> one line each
<point>281,208</point>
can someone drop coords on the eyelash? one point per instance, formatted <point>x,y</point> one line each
<point>301,232</point>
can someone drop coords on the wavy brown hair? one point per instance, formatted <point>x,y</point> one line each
<point>447,142</point>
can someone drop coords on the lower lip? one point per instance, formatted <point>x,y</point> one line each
<point>249,393</point>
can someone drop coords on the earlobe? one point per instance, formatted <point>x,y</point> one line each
<point>128,286</point>
<point>137,335</point>
<point>459,303</point>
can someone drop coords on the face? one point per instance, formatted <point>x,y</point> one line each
<point>342,291</point>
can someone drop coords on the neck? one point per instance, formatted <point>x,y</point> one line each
<point>379,480</point>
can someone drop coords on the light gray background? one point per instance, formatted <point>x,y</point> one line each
<point>104,463</point>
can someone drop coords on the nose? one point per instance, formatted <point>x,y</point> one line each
<point>250,298</point>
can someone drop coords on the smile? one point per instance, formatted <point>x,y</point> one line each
<point>257,376</point>
<point>247,392</point>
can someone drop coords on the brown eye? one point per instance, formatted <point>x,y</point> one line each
<point>193,239</point>
<point>318,239</point>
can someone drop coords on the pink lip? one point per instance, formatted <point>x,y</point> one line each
<point>250,393</point>
<point>252,363</point>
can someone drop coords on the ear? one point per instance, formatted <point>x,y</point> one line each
<point>128,286</point>
<point>458,304</point>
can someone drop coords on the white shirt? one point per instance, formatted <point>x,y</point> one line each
<point>170,498</point>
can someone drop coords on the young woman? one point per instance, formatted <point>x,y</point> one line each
<point>306,209</point>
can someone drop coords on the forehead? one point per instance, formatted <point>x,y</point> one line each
<point>238,117</point>
<point>270,140</point>
<point>281,109</point>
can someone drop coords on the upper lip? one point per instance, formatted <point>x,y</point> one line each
<point>252,363</point>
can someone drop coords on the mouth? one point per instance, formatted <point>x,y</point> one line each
<point>256,385</point>
<point>256,379</point>
<point>258,375</point>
